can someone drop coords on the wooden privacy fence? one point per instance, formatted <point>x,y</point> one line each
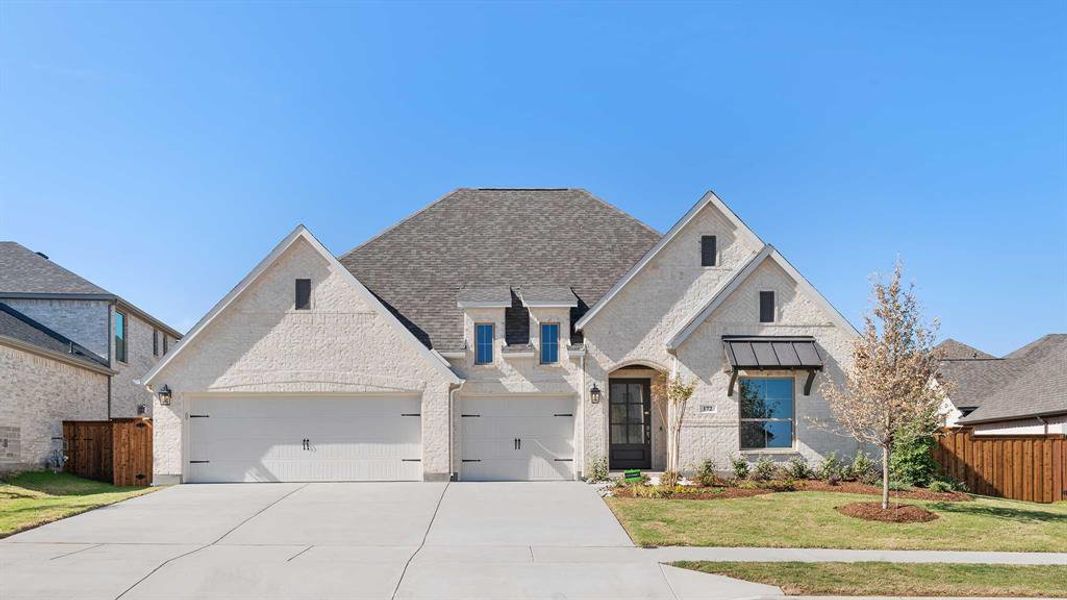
<point>1021,468</point>
<point>117,451</point>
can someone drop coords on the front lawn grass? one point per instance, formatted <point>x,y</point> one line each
<point>808,520</point>
<point>896,579</point>
<point>31,499</point>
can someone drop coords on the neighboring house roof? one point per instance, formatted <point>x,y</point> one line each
<point>20,330</point>
<point>299,233</point>
<point>953,350</point>
<point>1029,382</point>
<point>484,238</point>
<point>27,274</point>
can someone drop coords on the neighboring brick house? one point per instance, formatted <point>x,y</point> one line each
<point>502,334</point>
<point>69,350</point>
<point>1024,393</point>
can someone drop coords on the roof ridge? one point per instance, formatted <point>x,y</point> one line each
<point>399,223</point>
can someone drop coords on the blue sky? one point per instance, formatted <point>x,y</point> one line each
<point>162,150</point>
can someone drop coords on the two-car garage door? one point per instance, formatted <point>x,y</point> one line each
<point>318,438</point>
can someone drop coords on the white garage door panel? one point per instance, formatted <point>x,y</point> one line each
<point>357,438</point>
<point>543,426</point>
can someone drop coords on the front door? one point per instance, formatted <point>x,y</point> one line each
<point>630,418</point>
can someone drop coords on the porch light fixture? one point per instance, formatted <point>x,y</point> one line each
<point>164,395</point>
<point>594,394</point>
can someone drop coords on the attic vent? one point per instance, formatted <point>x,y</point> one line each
<point>42,255</point>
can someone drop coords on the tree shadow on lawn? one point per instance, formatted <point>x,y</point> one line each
<point>996,512</point>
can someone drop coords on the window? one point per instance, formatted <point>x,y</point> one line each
<point>155,342</point>
<point>549,343</point>
<point>708,249</point>
<point>303,294</point>
<point>120,337</point>
<point>164,344</point>
<point>766,307</point>
<point>483,343</point>
<point>766,407</point>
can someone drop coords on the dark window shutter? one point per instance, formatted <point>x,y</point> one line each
<point>707,251</point>
<point>303,294</point>
<point>155,342</point>
<point>766,307</point>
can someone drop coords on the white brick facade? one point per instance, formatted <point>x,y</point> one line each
<point>260,344</point>
<point>36,395</point>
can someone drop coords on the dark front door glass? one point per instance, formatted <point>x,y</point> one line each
<point>630,419</point>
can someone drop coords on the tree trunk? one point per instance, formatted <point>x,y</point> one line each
<point>885,476</point>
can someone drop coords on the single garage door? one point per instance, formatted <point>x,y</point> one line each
<point>517,438</point>
<point>318,438</point>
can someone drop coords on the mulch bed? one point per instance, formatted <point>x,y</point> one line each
<point>896,513</point>
<point>854,487</point>
<point>698,493</point>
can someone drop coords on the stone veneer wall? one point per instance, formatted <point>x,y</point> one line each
<point>36,395</point>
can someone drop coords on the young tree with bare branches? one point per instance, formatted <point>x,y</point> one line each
<point>675,391</point>
<point>887,391</point>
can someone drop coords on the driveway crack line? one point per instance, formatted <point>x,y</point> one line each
<point>298,553</point>
<point>76,551</point>
<point>195,550</point>
<point>425,535</point>
<point>667,581</point>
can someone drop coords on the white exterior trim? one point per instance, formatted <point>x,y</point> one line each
<point>708,198</point>
<point>768,252</point>
<point>301,232</point>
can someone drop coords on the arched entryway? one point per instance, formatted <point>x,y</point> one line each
<point>637,437</point>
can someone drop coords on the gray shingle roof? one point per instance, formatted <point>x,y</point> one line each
<point>26,272</point>
<point>534,295</point>
<point>18,326</point>
<point>496,237</point>
<point>497,294</point>
<point>1030,381</point>
<point>951,349</point>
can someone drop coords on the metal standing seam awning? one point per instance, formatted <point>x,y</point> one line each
<point>772,353</point>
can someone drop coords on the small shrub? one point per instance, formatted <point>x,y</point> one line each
<point>940,486</point>
<point>780,485</point>
<point>669,479</point>
<point>642,481</point>
<point>899,486</point>
<point>598,470</point>
<point>831,467</point>
<point>863,469</point>
<point>797,468</point>
<point>764,469</point>
<point>740,467</point>
<point>912,461</point>
<point>705,474</point>
<point>833,479</point>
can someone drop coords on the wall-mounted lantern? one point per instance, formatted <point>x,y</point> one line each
<point>594,394</point>
<point>164,395</point>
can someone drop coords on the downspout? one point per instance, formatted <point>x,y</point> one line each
<point>453,388</point>
<point>581,412</point>
<point>1044,423</point>
<point>110,355</point>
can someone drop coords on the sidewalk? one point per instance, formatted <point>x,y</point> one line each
<point>668,554</point>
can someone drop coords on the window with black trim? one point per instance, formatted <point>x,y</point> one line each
<point>708,251</point>
<point>155,342</point>
<point>766,307</point>
<point>549,343</point>
<point>120,337</point>
<point>483,343</point>
<point>303,294</point>
<point>767,415</point>
<point>164,344</point>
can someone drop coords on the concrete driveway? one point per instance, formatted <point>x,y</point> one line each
<point>350,540</point>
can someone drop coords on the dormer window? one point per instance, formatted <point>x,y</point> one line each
<point>549,343</point>
<point>766,307</point>
<point>483,343</point>
<point>303,294</point>
<point>708,251</point>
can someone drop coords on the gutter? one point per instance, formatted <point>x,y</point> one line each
<point>58,356</point>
